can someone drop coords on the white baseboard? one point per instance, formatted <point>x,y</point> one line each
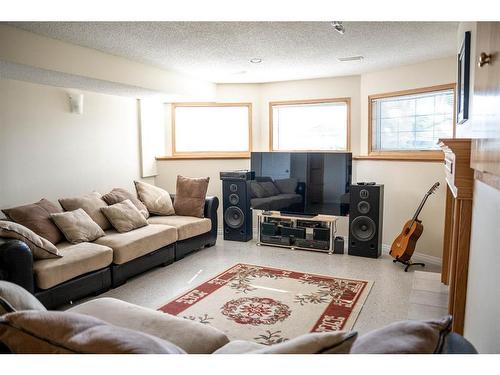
<point>418,257</point>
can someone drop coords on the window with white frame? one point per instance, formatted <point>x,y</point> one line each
<point>313,125</point>
<point>211,129</point>
<point>411,121</point>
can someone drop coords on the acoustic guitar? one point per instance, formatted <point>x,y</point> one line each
<point>404,245</point>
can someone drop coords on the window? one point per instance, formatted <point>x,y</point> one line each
<point>409,124</point>
<point>211,130</point>
<point>311,125</point>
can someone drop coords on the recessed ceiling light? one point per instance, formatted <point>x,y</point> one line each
<point>350,58</point>
<point>255,60</point>
<point>339,27</point>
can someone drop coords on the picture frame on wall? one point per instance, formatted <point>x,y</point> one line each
<point>463,80</point>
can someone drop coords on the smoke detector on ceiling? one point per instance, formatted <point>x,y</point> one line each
<point>350,58</point>
<point>339,27</point>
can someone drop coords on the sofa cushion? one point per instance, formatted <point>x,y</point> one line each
<point>187,226</point>
<point>16,298</point>
<point>91,204</point>
<point>39,246</point>
<point>118,195</point>
<point>191,336</point>
<point>36,217</point>
<point>56,332</point>
<point>77,226</point>
<point>138,242</point>
<point>156,199</point>
<point>310,343</point>
<point>77,260</point>
<point>239,347</point>
<point>124,216</point>
<point>190,196</point>
<point>405,337</point>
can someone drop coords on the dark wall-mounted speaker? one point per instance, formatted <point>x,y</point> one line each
<point>365,220</point>
<point>236,210</point>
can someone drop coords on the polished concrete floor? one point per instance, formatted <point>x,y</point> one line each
<point>388,301</point>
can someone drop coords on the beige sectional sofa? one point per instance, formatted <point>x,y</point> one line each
<point>93,267</point>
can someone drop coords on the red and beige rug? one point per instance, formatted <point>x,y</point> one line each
<point>270,305</point>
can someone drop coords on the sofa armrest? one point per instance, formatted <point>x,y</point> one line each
<point>16,264</point>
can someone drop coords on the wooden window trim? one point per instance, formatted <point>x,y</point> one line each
<point>417,155</point>
<point>311,101</point>
<point>209,154</point>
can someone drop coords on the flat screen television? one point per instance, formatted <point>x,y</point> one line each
<point>301,183</point>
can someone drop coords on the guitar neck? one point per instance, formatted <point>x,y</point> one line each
<point>419,209</point>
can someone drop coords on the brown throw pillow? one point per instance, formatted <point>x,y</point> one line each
<point>57,332</point>
<point>118,195</point>
<point>39,246</point>
<point>156,199</point>
<point>124,216</point>
<point>36,217</point>
<point>190,196</point>
<point>405,337</point>
<point>77,226</point>
<point>91,204</point>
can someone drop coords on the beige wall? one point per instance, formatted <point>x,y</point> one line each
<point>405,182</point>
<point>46,151</point>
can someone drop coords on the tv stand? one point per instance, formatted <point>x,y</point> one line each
<point>296,232</point>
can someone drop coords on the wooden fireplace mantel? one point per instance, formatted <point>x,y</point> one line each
<point>460,181</point>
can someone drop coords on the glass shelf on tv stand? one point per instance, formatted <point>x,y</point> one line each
<point>328,221</point>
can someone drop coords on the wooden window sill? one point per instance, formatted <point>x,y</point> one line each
<point>424,157</point>
<point>245,155</point>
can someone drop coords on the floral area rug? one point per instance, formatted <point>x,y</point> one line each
<point>270,305</point>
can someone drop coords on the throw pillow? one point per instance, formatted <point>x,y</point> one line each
<point>36,217</point>
<point>257,190</point>
<point>118,195</point>
<point>77,226</point>
<point>190,196</point>
<point>124,216</point>
<point>39,246</point>
<point>287,185</point>
<point>156,199</point>
<point>57,332</point>
<point>270,188</point>
<point>405,337</point>
<point>91,204</point>
<point>314,343</point>
<point>15,298</point>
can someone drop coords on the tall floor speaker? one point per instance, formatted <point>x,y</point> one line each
<point>365,220</point>
<point>237,215</point>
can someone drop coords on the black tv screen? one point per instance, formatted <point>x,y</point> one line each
<point>305,183</point>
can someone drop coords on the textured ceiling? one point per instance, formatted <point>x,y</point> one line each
<point>27,73</point>
<point>220,51</point>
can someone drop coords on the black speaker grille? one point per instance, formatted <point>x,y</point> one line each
<point>234,217</point>
<point>234,199</point>
<point>363,207</point>
<point>363,228</point>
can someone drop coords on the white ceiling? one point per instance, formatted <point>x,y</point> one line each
<point>220,51</point>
